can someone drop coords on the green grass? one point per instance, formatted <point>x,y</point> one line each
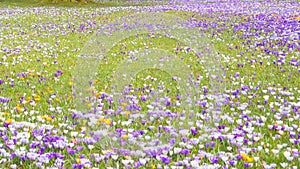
<point>66,62</point>
<point>35,3</point>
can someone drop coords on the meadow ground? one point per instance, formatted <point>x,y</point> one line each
<point>247,118</point>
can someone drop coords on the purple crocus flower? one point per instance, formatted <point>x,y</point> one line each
<point>232,163</point>
<point>165,160</point>
<point>246,165</point>
<point>58,73</point>
<point>239,157</point>
<point>143,98</point>
<point>185,151</point>
<point>59,156</point>
<point>71,151</point>
<point>214,160</point>
<point>194,131</point>
<point>137,164</point>
<point>79,148</point>
<point>4,100</point>
<point>77,166</point>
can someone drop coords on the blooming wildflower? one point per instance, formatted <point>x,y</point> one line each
<point>59,163</point>
<point>232,163</point>
<point>78,160</point>
<point>214,160</point>
<point>165,160</point>
<point>239,157</point>
<point>107,121</point>
<point>37,98</point>
<point>32,156</point>
<point>13,166</point>
<point>75,166</point>
<point>247,165</point>
<point>247,158</point>
<point>70,150</point>
<point>8,121</point>
<point>185,151</point>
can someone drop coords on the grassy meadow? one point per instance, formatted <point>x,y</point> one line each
<point>257,124</point>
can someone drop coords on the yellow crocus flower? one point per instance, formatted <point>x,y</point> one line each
<point>8,121</point>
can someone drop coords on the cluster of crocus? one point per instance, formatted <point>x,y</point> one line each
<point>258,126</point>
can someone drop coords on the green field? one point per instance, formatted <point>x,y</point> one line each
<point>46,125</point>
